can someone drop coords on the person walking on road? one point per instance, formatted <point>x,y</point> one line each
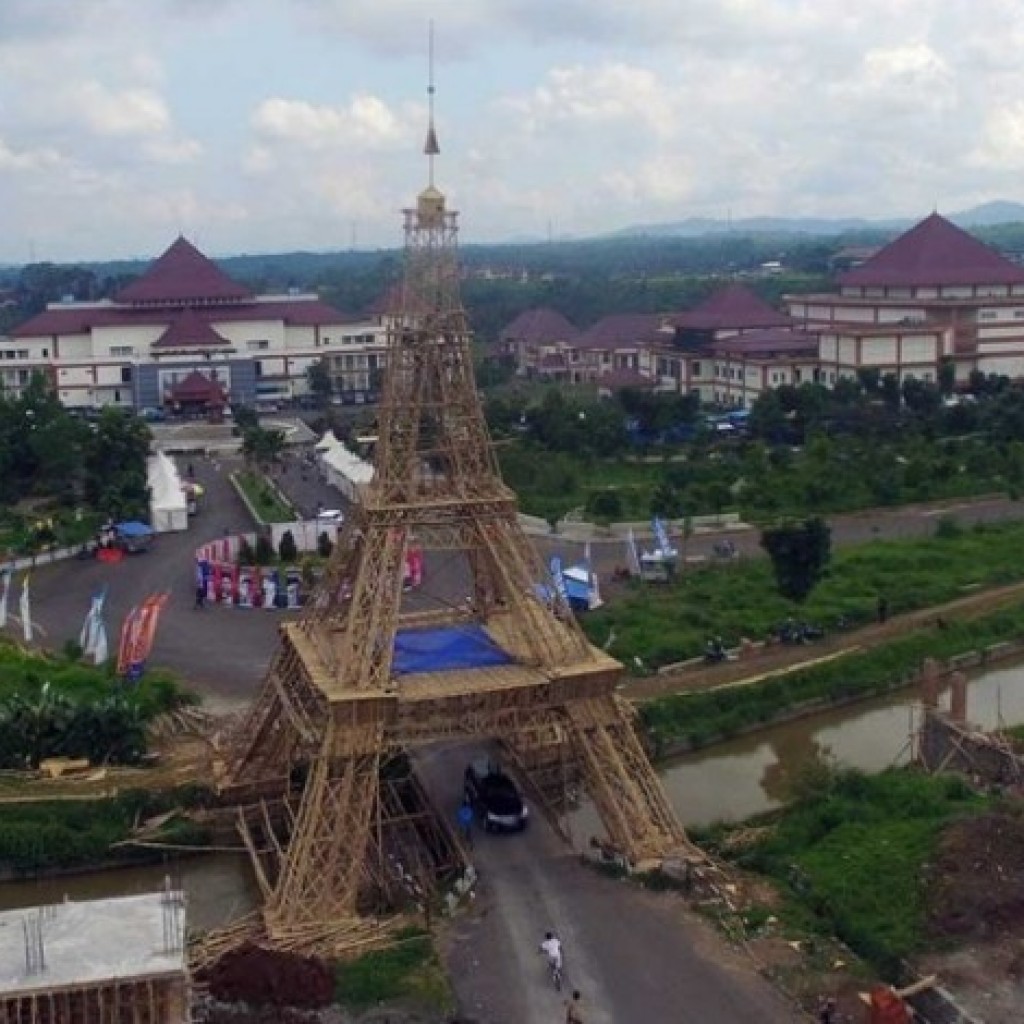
<point>574,1009</point>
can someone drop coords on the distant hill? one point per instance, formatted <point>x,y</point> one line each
<point>999,211</point>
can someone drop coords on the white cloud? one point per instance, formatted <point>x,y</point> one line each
<point>365,122</point>
<point>28,159</point>
<point>118,112</point>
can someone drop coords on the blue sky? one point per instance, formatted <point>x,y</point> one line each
<point>270,125</point>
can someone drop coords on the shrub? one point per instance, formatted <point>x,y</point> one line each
<point>246,555</point>
<point>264,553</point>
<point>287,549</point>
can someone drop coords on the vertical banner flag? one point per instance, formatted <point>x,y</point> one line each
<point>632,554</point>
<point>661,534</point>
<point>26,611</point>
<point>137,635</point>
<point>559,579</point>
<point>93,638</point>
<point>3,597</point>
<point>593,587</point>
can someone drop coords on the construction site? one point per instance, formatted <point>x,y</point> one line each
<point>342,834</point>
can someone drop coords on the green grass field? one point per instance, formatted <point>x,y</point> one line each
<point>662,624</point>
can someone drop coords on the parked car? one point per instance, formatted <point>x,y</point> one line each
<point>496,798</point>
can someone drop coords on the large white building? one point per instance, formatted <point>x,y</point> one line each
<point>933,295</point>
<point>182,318</point>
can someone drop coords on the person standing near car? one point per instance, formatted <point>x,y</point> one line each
<point>466,822</point>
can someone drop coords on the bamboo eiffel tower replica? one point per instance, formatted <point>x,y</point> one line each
<point>487,649</point>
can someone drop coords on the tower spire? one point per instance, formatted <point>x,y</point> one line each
<point>430,147</point>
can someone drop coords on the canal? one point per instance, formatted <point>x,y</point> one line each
<point>729,781</point>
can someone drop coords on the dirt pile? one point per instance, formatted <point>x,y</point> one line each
<point>976,880</point>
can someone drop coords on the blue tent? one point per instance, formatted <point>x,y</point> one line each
<point>133,528</point>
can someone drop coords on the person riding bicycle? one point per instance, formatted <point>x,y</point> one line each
<point>551,947</point>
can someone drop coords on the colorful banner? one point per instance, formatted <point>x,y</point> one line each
<point>137,635</point>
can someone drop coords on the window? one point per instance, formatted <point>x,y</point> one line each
<point>695,369</point>
<point>117,395</point>
<point>126,375</point>
<point>988,314</point>
<point>120,350</point>
<point>23,353</point>
<point>46,353</point>
<point>257,346</point>
<point>258,366</point>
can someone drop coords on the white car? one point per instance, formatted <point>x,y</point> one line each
<point>331,515</point>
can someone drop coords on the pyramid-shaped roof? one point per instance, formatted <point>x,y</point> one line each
<point>734,307</point>
<point>619,330</point>
<point>183,274</point>
<point>934,252</point>
<point>190,330</point>
<point>197,387</point>
<point>540,325</point>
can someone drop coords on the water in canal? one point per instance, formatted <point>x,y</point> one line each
<point>743,776</point>
<point>727,782</point>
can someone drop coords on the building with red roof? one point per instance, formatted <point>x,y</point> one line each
<point>727,349</point>
<point>184,316</point>
<point>933,294</point>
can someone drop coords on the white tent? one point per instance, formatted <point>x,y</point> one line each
<point>343,468</point>
<point>168,505</point>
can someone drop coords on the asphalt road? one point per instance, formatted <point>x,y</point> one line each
<point>635,956</point>
<point>223,652</point>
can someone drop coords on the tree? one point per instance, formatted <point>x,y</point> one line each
<point>287,548</point>
<point>800,553</point>
<point>320,383</point>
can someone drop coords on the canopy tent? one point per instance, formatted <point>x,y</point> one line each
<point>343,468</point>
<point>168,502</point>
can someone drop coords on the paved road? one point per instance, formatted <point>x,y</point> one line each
<point>634,956</point>
<point>224,652</point>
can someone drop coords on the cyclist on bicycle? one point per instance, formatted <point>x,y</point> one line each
<point>551,947</point>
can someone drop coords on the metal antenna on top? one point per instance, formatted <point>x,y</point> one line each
<point>431,147</point>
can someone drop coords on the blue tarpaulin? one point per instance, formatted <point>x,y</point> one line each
<point>133,528</point>
<point>445,649</point>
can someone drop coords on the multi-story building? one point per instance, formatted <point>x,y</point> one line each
<point>727,350</point>
<point>183,317</point>
<point>934,293</point>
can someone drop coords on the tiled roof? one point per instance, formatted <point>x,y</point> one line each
<point>767,344</point>
<point>623,378</point>
<point>190,330</point>
<point>197,386</point>
<point>734,307</point>
<point>622,330</point>
<point>81,319</point>
<point>934,252</point>
<point>183,274</point>
<point>538,326</point>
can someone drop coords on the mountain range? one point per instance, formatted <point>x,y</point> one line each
<point>999,211</point>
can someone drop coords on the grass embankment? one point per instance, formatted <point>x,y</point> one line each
<point>852,855</point>
<point>54,706</point>
<point>669,623</point>
<point>51,835</point>
<point>409,971</point>
<point>265,500</point>
<point>695,719</point>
